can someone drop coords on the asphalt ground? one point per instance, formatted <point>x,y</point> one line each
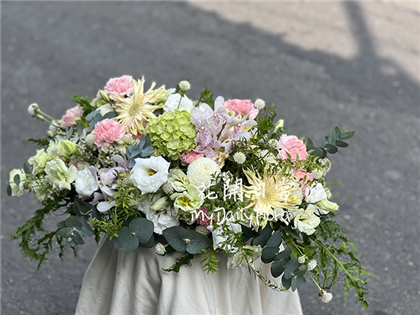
<point>324,64</point>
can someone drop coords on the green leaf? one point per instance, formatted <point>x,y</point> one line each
<point>347,135</point>
<point>292,232</point>
<point>142,229</point>
<point>277,268</point>
<point>275,239</point>
<point>286,283</point>
<point>9,190</point>
<point>74,222</point>
<point>125,240</point>
<point>197,242</point>
<point>109,115</point>
<point>149,244</point>
<point>264,236</point>
<point>65,232</point>
<point>341,144</point>
<point>69,132</point>
<point>247,233</point>
<point>26,169</point>
<point>76,238</point>
<point>298,279</point>
<point>332,137</point>
<point>291,266</point>
<point>62,224</point>
<point>331,148</point>
<point>176,236</point>
<point>185,259</point>
<point>309,142</point>
<point>338,132</point>
<point>86,230</point>
<point>16,179</point>
<point>81,207</point>
<point>269,253</point>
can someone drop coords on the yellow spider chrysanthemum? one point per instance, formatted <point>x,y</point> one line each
<point>134,112</point>
<point>271,191</point>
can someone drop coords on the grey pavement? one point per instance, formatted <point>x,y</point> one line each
<point>323,64</point>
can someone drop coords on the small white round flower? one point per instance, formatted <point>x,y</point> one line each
<point>259,104</point>
<point>160,249</point>
<point>311,265</point>
<point>325,296</point>
<point>202,230</point>
<point>90,138</point>
<point>33,109</point>
<point>239,157</point>
<point>302,259</point>
<point>184,85</point>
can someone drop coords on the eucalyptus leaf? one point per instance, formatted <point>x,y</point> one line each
<point>341,144</point>
<point>69,132</point>
<point>347,135</point>
<point>109,115</point>
<point>291,266</point>
<point>149,244</point>
<point>331,148</point>
<point>269,253</point>
<point>74,222</point>
<point>275,239</point>
<point>142,229</point>
<point>125,240</point>
<point>90,116</point>
<point>81,207</point>
<point>247,233</point>
<point>332,137</point>
<point>26,169</point>
<point>16,179</point>
<point>298,279</point>
<point>65,232</point>
<point>75,236</point>
<point>176,236</point>
<point>197,242</point>
<point>9,190</point>
<point>286,283</point>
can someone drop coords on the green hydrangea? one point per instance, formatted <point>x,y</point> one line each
<point>171,134</point>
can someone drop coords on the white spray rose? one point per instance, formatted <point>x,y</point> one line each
<point>305,220</point>
<point>59,175</point>
<point>86,184</point>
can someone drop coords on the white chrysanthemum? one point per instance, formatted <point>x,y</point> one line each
<point>325,296</point>
<point>311,265</point>
<point>184,85</point>
<point>160,249</point>
<point>302,259</point>
<point>86,183</point>
<point>176,101</point>
<point>33,109</point>
<point>239,157</point>
<point>149,174</point>
<point>200,171</point>
<point>259,104</point>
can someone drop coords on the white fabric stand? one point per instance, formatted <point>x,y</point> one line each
<point>131,283</point>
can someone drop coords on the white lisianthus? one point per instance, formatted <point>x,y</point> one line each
<point>200,171</point>
<point>315,193</point>
<point>305,220</point>
<point>176,101</point>
<point>178,179</point>
<point>59,175</point>
<point>162,219</point>
<point>15,188</point>
<point>184,85</point>
<point>149,174</point>
<point>188,200</point>
<point>38,161</point>
<point>86,184</point>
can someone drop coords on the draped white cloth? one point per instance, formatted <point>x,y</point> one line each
<point>131,283</point>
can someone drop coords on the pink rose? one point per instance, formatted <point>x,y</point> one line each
<point>188,158</point>
<point>300,175</point>
<point>69,119</point>
<point>120,86</point>
<point>293,146</point>
<point>242,107</point>
<point>108,131</point>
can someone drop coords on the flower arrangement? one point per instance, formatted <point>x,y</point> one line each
<point>207,176</point>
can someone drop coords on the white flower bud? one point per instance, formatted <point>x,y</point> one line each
<point>160,249</point>
<point>33,109</point>
<point>259,104</point>
<point>311,265</point>
<point>90,138</point>
<point>239,157</point>
<point>202,230</point>
<point>184,85</point>
<point>302,259</point>
<point>325,296</point>
<point>53,128</point>
<point>167,188</point>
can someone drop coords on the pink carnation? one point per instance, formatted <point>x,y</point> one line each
<point>293,146</point>
<point>189,157</point>
<point>300,175</point>
<point>69,119</point>
<point>121,86</point>
<point>242,107</point>
<point>107,131</point>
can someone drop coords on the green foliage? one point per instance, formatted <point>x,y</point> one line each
<point>139,231</point>
<point>141,150</point>
<point>184,259</point>
<point>209,261</point>
<point>40,142</point>
<point>206,97</point>
<point>85,103</point>
<point>334,140</point>
<point>183,240</point>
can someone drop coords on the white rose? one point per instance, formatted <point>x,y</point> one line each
<point>305,220</point>
<point>173,103</point>
<point>86,184</point>
<point>149,174</point>
<point>315,193</point>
